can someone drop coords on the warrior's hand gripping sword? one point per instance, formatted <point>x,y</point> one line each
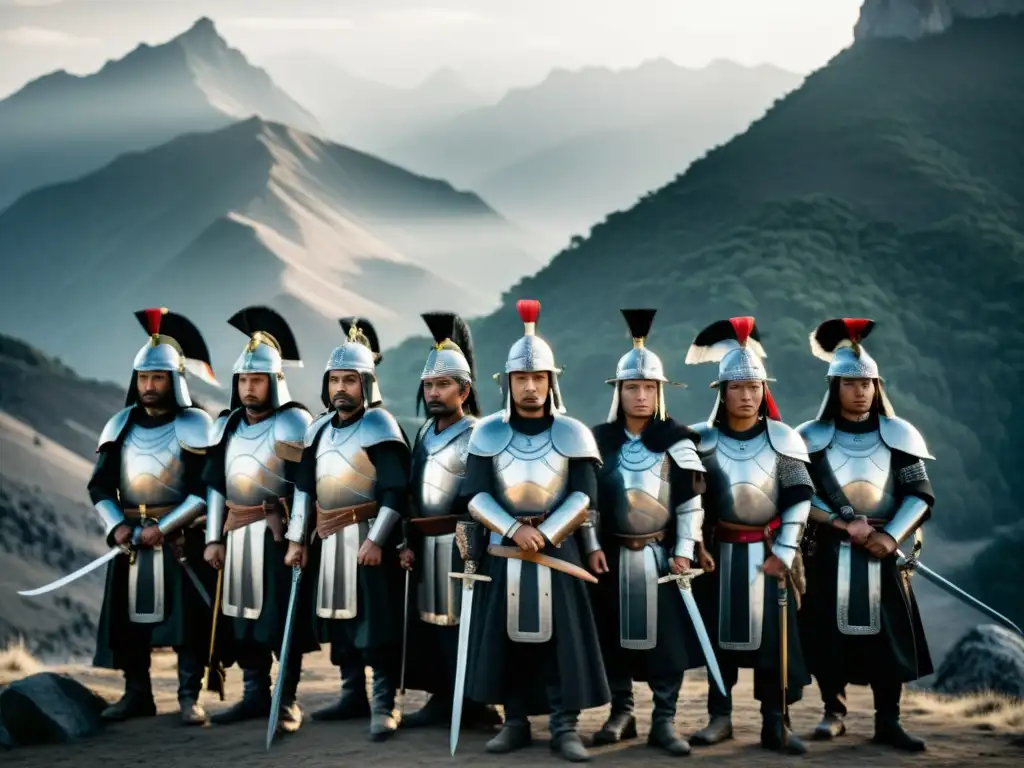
<point>470,543</point>
<point>683,581</point>
<point>121,549</point>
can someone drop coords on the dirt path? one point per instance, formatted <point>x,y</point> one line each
<point>958,732</point>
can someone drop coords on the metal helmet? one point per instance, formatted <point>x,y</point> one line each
<point>640,363</point>
<point>838,342</point>
<point>451,355</point>
<point>360,353</point>
<point>270,348</point>
<point>530,354</point>
<point>735,344</point>
<point>175,345</point>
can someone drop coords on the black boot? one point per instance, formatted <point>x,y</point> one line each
<point>621,723</point>
<point>663,733</point>
<point>382,709</point>
<point>353,703</point>
<point>888,729</point>
<point>190,685</point>
<point>255,701</point>
<point>137,700</point>
<point>515,733</point>
<point>289,720</point>
<point>830,727</point>
<point>564,738</point>
<point>776,735</point>
<point>437,711</point>
<point>719,727</point>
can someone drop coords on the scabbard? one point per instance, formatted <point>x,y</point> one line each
<point>514,553</point>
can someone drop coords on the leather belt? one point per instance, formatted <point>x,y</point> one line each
<point>534,521</point>
<point>735,533</point>
<point>636,542</point>
<point>330,521</point>
<point>273,511</point>
<point>146,512</point>
<point>436,526</point>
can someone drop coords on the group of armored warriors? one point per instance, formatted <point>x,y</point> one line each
<point>547,560</point>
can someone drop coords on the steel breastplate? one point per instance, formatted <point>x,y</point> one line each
<point>644,474</point>
<point>345,476</point>
<point>744,480</point>
<point>254,471</point>
<point>530,475</point>
<point>861,463</point>
<point>152,471</point>
<point>444,468</point>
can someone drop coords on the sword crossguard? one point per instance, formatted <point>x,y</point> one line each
<point>468,576</point>
<point>683,580</point>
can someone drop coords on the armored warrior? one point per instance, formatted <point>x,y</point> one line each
<point>250,471</point>
<point>650,522</point>
<point>530,479</point>
<point>860,622</point>
<point>439,455</point>
<point>757,502</point>
<point>147,489</point>
<point>352,491</point>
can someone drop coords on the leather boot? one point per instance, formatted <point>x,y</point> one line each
<point>514,734</point>
<point>382,709</point>
<point>137,700</point>
<point>889,731</point>
<point>564,738</point>
<point>434,712</point>
<point>255,701</point>
<point>663,733</point>
<point>289,720</point>
<point>830,727</point>
<point>353,703</point>
<point>775,734</point>
<point>190,685</point>
<point>621,723</point>
<point>719,728</point>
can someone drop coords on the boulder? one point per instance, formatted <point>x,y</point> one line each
<point>47,708</point>
<point>988,658</point>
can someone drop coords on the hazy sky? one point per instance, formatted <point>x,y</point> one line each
<point>493,43</point>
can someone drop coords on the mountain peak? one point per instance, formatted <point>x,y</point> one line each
<point>202,28</point>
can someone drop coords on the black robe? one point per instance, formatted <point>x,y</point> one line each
<point>899,652</point>
<point>374,636</point>
<point>678,648</point>
<point>120,643</point>
<point>267,631</point>
<point>570,664</point>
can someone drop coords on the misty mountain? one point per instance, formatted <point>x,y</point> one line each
<point>560,155</point>
<point>366,114</point>
<point>61,126</point>
<point>253,213</point>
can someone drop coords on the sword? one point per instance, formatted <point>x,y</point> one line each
<point>282,659</point>
<point>949,587</point>
<point>784,654</point>
<point>683,581</point>
<point>120,549</point>
<point>467,539</point>
<point>405,636</point>
<point>196,582</point>
<point>515,553</point>
<point>213,637</point>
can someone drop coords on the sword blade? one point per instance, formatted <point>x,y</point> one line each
<point>197,583</point>
<point>73,576</point>
<point>460,667</point>
<point>282,659</point>
<point>405,634</point>
<point>702,636</point>
<point>952,589</point>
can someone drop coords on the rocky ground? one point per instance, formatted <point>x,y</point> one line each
<point>958,731</point>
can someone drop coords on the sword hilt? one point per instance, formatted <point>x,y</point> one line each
<point>683,579</point>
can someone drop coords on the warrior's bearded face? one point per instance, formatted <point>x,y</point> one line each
<point>639,398</point>
<point>743,398</point>
<point>444,395</point>
<point>154,388</point>
<point>254,391</point>
<point>856,396</point>
<point>530,390</point>
<point>345,388</point>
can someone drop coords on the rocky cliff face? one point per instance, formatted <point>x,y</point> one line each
<point>988,658</point>
<point>914,19</point>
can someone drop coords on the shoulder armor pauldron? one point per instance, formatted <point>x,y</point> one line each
<point>422,431</point>
<point>684,454</point>
<point>708,438</point>
<point>114,427</point>
<point>316,427</point>
<point>787,441</point>
<point>220,424</point>
<point>573,439</point>
<point>192,428</point>
<point>900,435</point>
<point>491,435</point>
<point>379,426</point>
<point>290,425</point>
<point>816,434</point>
